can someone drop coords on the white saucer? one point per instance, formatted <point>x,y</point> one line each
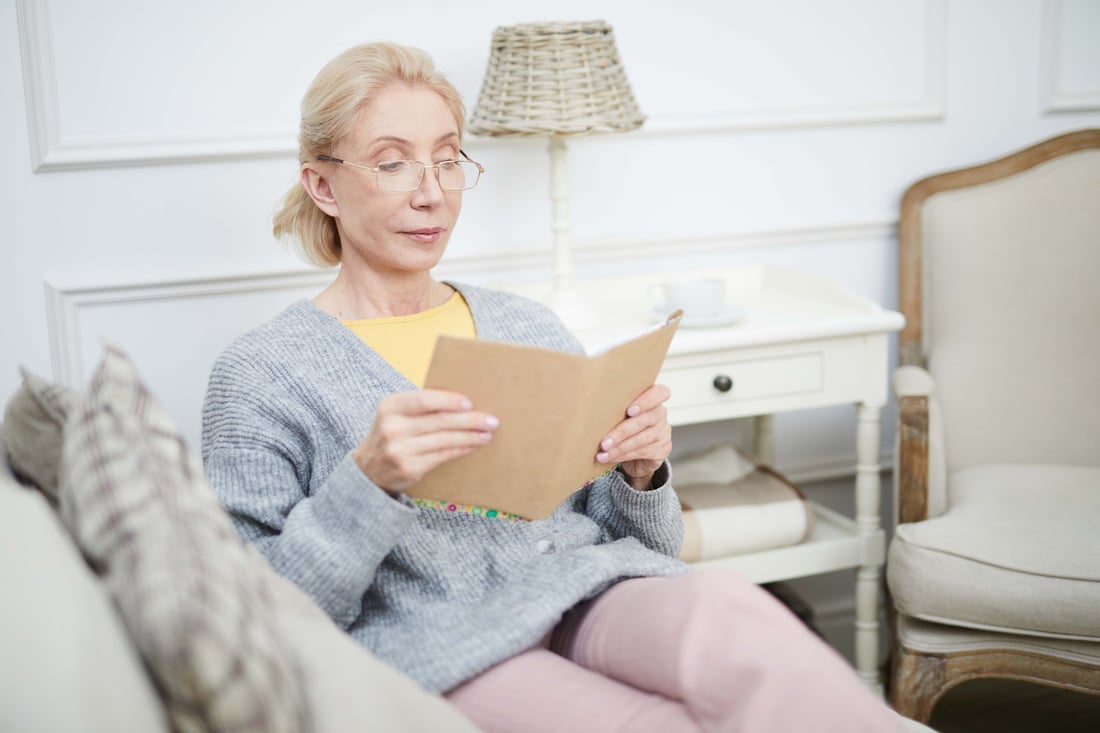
<point>729,314</point>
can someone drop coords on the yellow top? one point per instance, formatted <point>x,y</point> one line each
<point>407,342</point>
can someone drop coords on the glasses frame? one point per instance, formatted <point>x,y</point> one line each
<point>423,169</point>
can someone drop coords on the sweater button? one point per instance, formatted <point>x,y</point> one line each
<point>544,547</point>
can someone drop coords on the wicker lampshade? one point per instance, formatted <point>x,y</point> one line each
<point>554,79</point>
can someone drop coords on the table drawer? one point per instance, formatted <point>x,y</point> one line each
<point>747,379</point>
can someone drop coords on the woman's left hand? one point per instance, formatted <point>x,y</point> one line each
<point>641,442</point>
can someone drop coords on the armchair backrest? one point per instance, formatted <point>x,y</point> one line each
<point>1000,286</point>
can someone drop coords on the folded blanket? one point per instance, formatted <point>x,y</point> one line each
<point>734,506</point>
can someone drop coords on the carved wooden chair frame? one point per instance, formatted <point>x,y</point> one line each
<point>918,679</point>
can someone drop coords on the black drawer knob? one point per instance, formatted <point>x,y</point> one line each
<point>723,383</point>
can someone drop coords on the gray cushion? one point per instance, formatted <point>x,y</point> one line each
<point>33,420</point>
<point>968,566</point>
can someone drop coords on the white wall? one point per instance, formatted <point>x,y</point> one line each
<point>145,145</point>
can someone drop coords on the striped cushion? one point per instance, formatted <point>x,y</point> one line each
<point>139,507</point>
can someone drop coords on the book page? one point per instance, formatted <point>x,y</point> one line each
<point>554,408</point>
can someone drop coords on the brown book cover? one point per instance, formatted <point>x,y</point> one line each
<point>554,409</point>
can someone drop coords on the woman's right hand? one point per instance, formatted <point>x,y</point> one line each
<point>414,432</point>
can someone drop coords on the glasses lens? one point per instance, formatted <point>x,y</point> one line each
<point>399,175</point>
<point>457,175</point>
<point>405,175</point>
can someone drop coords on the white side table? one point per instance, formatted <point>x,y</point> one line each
<point>804,342</point>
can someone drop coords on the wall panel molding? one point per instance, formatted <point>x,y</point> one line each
<point>56,146</point>
<point>1069,29</point>
<point>174,326</point>
<point>70,295</point>
<point>609,253</point>
<point>53,147</point>
<point>69,302</point>
<point>927,104</point>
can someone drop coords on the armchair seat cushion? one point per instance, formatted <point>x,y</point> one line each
<point>972,567</point>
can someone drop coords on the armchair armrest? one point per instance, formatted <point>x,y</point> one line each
<point>920,470</point>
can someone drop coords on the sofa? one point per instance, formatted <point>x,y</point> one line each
<point>130,604</point>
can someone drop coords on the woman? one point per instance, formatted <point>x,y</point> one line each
<point>314,425</point>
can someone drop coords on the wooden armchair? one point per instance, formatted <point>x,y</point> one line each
<point>994,569</point>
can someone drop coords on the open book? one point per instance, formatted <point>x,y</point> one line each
<point>554,410</point>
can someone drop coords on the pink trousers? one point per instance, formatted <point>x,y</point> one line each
<point>705,651</point>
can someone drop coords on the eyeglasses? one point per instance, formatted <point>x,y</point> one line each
<point>401,176</point>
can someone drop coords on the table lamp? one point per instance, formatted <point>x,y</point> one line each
<point>556,80</point>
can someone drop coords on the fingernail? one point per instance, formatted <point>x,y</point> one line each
<point>607,443</point>
<point>484,437</point>
<point>602,457</point>
<point>492,421</point>
<point>467,405</point>
<point>633,410</point>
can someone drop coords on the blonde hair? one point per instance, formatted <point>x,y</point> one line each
<point>330,108</point>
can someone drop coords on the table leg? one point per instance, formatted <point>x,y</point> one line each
<point>763,443</point>
<point>868,520</point>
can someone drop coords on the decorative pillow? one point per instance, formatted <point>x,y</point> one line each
<point>33,420</point>
<point>140,509</point>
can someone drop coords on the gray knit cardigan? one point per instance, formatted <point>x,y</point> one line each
<point>439,595</point>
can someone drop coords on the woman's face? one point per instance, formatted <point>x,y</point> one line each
<point>395,233</point>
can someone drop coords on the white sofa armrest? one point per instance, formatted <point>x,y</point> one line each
<point>69,663</point>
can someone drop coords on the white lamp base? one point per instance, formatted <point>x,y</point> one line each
<point>563,298</point>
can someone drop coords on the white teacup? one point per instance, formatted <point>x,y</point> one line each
<point>699,297</point>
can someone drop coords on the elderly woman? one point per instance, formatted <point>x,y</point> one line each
<point>314,424</point>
